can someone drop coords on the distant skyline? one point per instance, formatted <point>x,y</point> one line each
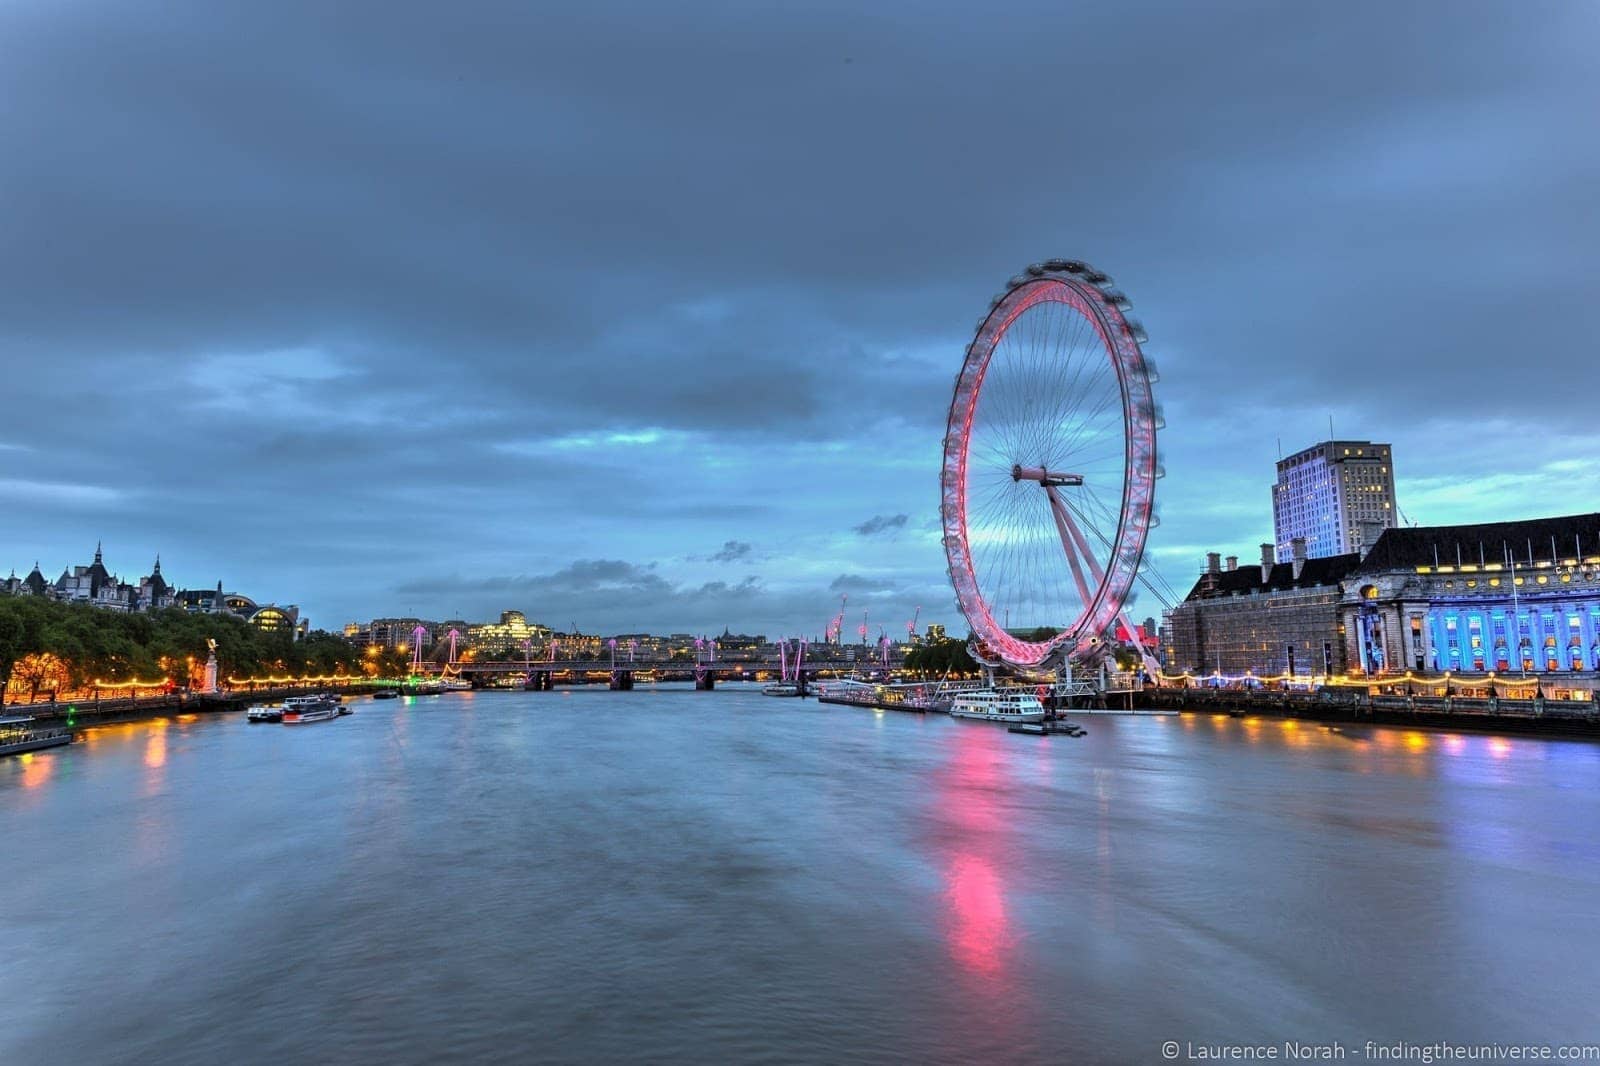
<point>646,319</point>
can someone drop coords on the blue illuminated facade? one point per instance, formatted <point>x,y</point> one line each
<point>1502,597</point>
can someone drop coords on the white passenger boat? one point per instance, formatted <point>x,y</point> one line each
<point>781,688</point>
<point>19,734</point>
<point>264,712</point>
<point>998,705</point>
<point>302,710</point>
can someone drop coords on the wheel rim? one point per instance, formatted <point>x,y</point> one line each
<point>1053,384</point>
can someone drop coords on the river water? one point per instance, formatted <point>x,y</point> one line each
<point>672,876</point>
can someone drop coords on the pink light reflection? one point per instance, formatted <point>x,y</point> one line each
<point>971,791</point>
<point>980,931</point>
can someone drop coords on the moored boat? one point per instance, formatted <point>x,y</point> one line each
<point>998,705</point>
<point>781,688</point>
<point>386,694</point>
<point>302,710</point>
<point>264,712</point>
<point>18,734</point>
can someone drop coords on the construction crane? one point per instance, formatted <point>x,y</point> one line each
<point>911,626</point>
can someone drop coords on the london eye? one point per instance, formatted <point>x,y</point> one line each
<point>1050,466</point>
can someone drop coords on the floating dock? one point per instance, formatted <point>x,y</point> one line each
<point>1051,727</point>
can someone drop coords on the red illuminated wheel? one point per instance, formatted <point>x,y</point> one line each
<point>1049,467</point>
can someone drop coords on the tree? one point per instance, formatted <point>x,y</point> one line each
<point>40,670</point>
<point>12,632</point>
<point>22,621</point>
<point>942,657</point>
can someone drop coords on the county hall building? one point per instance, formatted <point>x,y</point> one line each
<point>1500,597</point>
<point>1520,597</point>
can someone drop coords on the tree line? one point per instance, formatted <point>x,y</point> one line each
<point>941,657</point>
<point>48,647</point>
<point>951,656</point>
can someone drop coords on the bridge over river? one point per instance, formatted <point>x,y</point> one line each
<point>621,672</point>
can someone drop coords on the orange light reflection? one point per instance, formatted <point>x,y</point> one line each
<point>155,752</point>
<point>35,768</point>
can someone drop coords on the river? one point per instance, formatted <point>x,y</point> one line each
<point>666,875</point>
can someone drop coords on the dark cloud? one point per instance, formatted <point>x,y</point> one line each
<point>612,596</point>
<point>306,296</point>
<point>732,551</point>
<point>855,583</point>
<point>881,523</point>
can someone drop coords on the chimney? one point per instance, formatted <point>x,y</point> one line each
<point>1298,547</point>
<point>1233,562</point>
<point>1213,562</point>
<point>1268,559</point>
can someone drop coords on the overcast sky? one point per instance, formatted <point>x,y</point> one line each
<point>645,316</point>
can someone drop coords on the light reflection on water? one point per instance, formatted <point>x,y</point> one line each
<point>155,751</point>
<point>666,875</point>
<point>970,794</point>
<point>36,767</point>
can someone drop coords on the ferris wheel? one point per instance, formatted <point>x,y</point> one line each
<point>1049,467</point>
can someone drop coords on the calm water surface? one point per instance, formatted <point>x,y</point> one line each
<point>672,876</point>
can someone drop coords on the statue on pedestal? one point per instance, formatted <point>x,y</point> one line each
<point>209,687</point>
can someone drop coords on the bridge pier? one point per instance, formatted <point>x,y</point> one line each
<point>704,681</point>
<point>540,681</point>
<point>622,681</point>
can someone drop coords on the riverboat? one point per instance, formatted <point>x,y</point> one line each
<point>781,688</point>
<point>302,710</point>
<point>18,734</point>
<point>998,705</point>
<point>386,694</point>
<point>264,712</point>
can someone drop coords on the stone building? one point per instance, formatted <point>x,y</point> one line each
<point>391,632</point>
<point>507,637</point>
<point>1497,597</point>
<point>1267,620</point>
<point>96,585</point>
